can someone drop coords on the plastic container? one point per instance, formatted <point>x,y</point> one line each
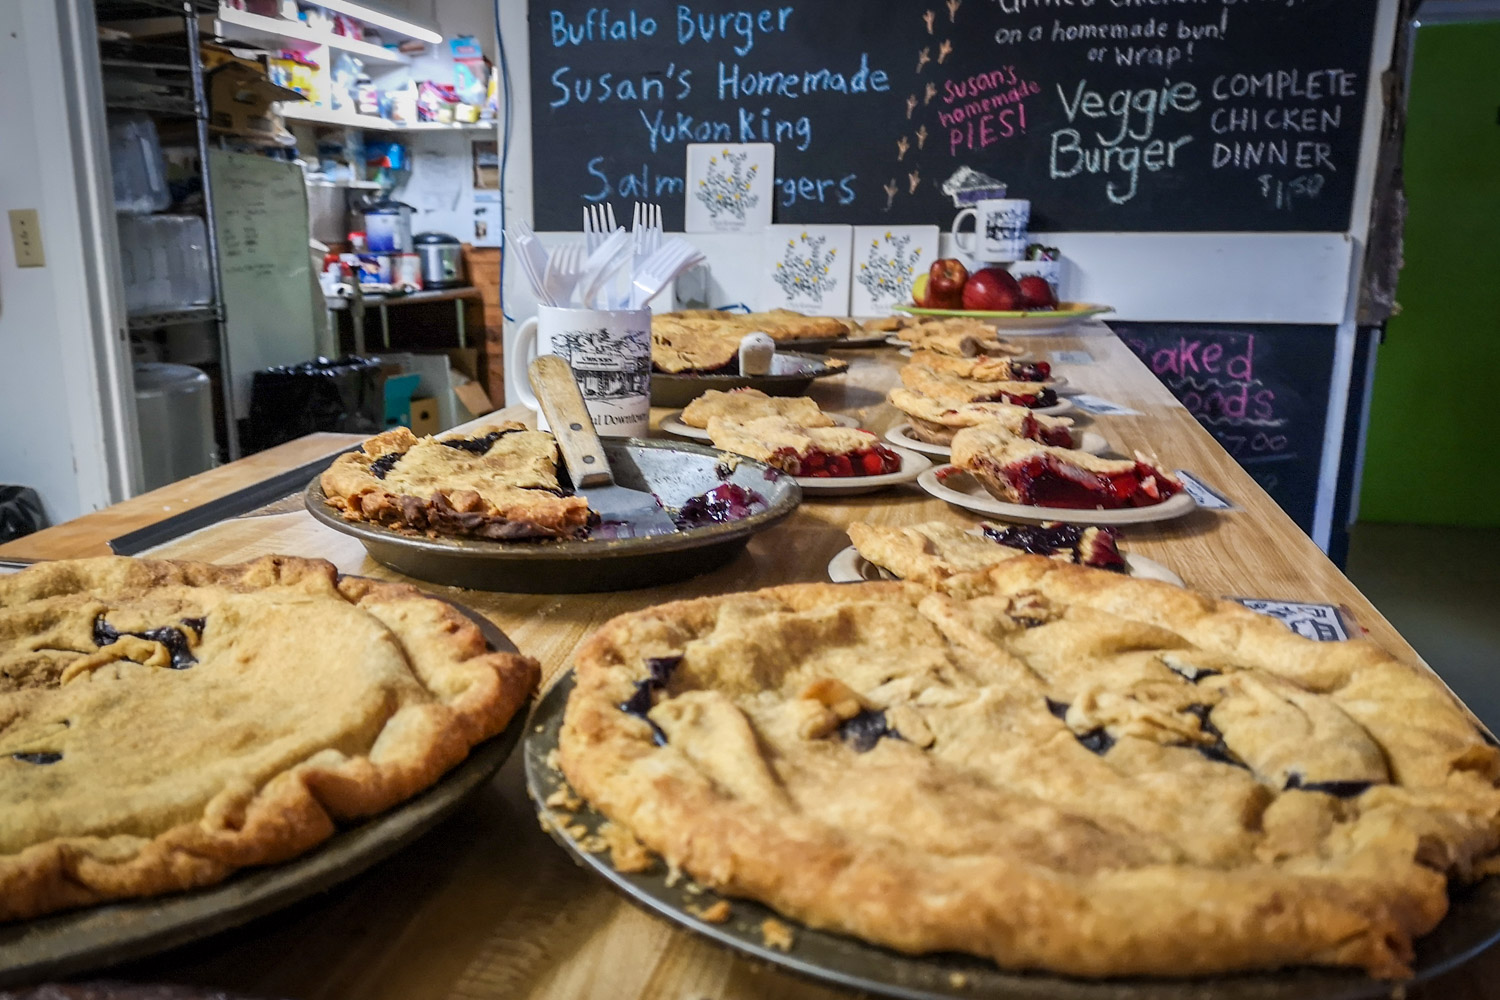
<point>137,166</point>
<point>175,414</point>
<point>164,262</point>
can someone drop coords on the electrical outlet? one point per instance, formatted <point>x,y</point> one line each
<point>26,234</point>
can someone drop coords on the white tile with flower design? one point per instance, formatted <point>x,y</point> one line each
<point>807,269</point>
<point>887,259</point>
<point>730,187</point>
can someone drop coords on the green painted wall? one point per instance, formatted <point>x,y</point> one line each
<point>1433,451</point>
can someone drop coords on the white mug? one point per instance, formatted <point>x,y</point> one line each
<point>609,351</point>
<point>1000,229</point>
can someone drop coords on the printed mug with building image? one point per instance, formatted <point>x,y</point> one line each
<point>1000,230</point>
<point>609,351</point>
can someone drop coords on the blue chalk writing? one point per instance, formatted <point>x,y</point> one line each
<point>728,25</point>
<point>598,26</point>
<point>736,83</point>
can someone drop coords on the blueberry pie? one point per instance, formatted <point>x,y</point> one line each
<point>956,336</point>
<point>952,390</point>
<point>820,452</point>
<point>164,724</point>
<point>984,368</point>
<point>934,552</point>
<point>501,483</point>
<point>1026,472</point>
<point>937,422</point>
<point>1060,769</point>
<point>749,404</point>
<point>682,346</point>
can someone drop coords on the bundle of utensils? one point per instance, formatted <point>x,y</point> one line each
<point>611,268</point>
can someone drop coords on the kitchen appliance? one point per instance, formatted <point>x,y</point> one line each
<point>442,260</point>
<point>388,226</point>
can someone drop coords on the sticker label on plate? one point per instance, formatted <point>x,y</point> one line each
<point>1098,405</point>
<point>1323,622</point>
<point>1073,357</point>
<point>1203,495</point>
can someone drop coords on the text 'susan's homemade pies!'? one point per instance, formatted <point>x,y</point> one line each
<point>164,724</point>
<point>1061,769</point>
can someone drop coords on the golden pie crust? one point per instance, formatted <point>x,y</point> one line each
<point>750,404</point>
<point>778,324</point>
<point>984,452</point>
<point>957,336</point>
<point>951,390</point>
<point>1091,775</point>
<point>778,441</point>
<point>504,485</point>
<point>937,422</point>
<point>982,368</point>
<point>933,552</point>
<point>708,340</point>
<point>275,702</point>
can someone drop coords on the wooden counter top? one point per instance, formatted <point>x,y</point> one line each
<point>487,907</point>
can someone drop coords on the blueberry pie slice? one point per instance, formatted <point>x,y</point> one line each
<point>750,404</point>
<point>937,422</point>
<point>1025,472</point>
<point>164,724</point>
<point>933,552</point>
<point>958,337</point>
<point>820,452</point>
<point>952,390</point>
<point>1058,769</point>
<point>501,483</point>
<point>984,369</point>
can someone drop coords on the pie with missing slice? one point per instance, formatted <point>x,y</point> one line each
<point>933,552</point>
<point>164,724</point>
<point>749,404</point>
<point>500,484</point>
<point>819,452</point>
<point>984,368</point>
<point>956,336</point>
<point>937,422</point>
<point>1025,472</point>
<point>955,391</point>
<point>1060,769</point>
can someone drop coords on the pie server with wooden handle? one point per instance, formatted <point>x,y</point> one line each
<point>630,513</point>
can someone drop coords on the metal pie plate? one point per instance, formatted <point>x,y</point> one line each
<point>673,470</point>
<point>76,941</point>
<point>1472,925</point>
<point>791,374</point>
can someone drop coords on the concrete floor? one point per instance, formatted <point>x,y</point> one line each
<point>1440,587</point>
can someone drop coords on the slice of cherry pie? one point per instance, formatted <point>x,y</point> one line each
<point>1025,472</point>
<point>984,369</point>
<point>819,452</point>
<point>933,552</point>
<point>937,422</point>
<point>954,391</point>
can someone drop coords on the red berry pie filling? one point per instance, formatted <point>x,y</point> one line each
<point>1019,471</point>
<point>876,460</point>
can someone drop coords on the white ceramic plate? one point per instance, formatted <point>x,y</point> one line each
<point>962,490</point>
<point>1088,441</point>
<point>912,466</point>
<point>848,566</point>
<point>672,424</point>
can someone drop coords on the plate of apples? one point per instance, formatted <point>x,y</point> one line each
<point>992,293</point>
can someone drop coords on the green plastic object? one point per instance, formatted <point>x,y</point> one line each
<point>398,390</point>
<point>1434,418</point>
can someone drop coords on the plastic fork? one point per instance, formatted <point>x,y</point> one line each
<point>601,266</point>
<point>533,257</point>
<point>563,271</point>
<point>674,256</point>
<point>645,230</point>
<point>598,223</point>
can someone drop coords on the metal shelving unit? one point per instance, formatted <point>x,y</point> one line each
<point>175,90</point>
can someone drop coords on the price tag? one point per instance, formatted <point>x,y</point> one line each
<point>1073,357</point>
<point>1323,622</point>
<point>1102,407</point>
<point>1203,495</point>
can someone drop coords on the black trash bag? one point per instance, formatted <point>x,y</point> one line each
<point>20,512</point>
<point>347,394</point>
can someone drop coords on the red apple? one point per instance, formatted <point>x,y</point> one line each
<point>945,283</point>
<point>1037,293</point>
<point>992,290</point>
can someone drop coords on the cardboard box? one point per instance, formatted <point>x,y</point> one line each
<point>424,416</point>
<point>241,98</point>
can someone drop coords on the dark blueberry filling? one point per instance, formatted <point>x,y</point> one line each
<point>1047,539</point>
<point>1218,751</point>
<point>1097,740</point>
<point>477,445</point>
<point>865,730</point>
<point>1338,789</point>
<point>385,463</point>
<point>176,642</point>
<point>723,471</point>
<point>659,672</point>
<point>37,757</point>
<point>720,505</point>
<point>1027,622</point>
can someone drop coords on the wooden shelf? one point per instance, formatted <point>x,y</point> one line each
<point>244,25</point>
<point>319,115</point>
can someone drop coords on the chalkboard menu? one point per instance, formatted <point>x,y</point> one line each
<point>1261,391</point>
<point>1110,115</point>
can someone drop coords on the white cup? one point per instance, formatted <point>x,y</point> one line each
<point>1000,228</point>
<point>609,351</point>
